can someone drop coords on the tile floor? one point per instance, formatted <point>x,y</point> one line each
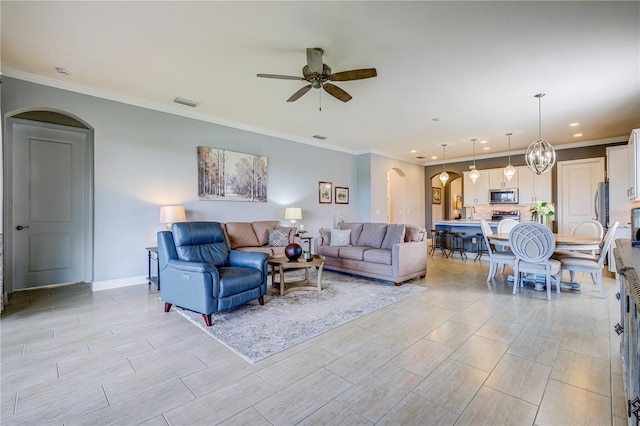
<point>463,352</point>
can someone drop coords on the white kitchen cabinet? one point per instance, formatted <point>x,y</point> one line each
<point>476,194</point>
<point>497,179</point>
<point>533,187</point>
<point>633,188</point>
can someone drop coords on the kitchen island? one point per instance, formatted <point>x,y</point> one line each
<point>471,229</point>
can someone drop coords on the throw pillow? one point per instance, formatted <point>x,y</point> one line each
<point>291,230</point>
<point>340,237</point>
<point>394,235</point>
<point>356,229</point>
<point>278,238</point>
<point>326,236</point>
<point>372,235</point>
<point>414,233</point>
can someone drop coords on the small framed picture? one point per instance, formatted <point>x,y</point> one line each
<point>325,192</point>
<point>342,195</point>
<point>436,195</point>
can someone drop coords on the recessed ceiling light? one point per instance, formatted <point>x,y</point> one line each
<point>577,135</point>
<point>434,157</point>
<point>483,142</point>
<point>321,137</point>
<point>574,124</point>
<point>63,71</point>
<point>413,151</point>
<point>186,102</point>
<point>486,148</point>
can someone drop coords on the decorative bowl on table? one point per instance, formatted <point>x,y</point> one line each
<point>293,251</point>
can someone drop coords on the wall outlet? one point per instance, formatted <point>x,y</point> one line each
<point>474,241</point>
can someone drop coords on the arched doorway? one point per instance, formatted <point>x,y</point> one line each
<point>49,186</point>
<point>396,196</point>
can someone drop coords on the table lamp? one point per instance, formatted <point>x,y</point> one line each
<point>293,214</point>
<point>170,214</point>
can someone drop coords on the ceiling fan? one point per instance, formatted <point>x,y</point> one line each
<point>319,75</point>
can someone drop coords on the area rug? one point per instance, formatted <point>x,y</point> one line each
<point>256,332</point>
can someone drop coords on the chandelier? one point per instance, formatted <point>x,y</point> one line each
<point>474,174</point>
<point>509,171</point>
<point>444,176</point>
<point>540,155</point>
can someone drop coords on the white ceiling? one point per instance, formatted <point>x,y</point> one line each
<point>474,66</point>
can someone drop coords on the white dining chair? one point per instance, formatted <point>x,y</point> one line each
<point>533,244</point>
<point>504,227</point>
<point>592,264</point>
<point>589,228</point>
<point>496,257</point>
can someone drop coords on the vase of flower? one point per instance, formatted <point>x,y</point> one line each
<point>542,212</point>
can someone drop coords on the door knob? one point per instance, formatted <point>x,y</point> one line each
<point>20,227</point>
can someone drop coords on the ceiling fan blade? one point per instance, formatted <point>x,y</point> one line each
<point>336,92</point>
<point>281,77</point>
<point>299,93</point>
<point>354,74</point>
<point>314,60</point>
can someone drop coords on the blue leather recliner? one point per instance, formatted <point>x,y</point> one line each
<point>199,273</point>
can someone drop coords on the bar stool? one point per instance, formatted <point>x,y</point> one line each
<point>438,241</point>
<point>481,247</point>
<point>456,244</point>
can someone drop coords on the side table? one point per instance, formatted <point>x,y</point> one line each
<point>152,257</point>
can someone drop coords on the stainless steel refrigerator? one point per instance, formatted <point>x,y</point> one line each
<point>601,204</point>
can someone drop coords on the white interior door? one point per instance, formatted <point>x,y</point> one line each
<point>577,186</point>
<point>49,216</point>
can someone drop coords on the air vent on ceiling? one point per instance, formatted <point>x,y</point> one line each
<point>186,102</point>
<point>320,137</point>
<point>421,157</point>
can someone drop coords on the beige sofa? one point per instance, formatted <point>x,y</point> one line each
<point>394,253</point>
<point>266,236</point>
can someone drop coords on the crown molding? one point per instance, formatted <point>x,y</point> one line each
<point>169,109</point>
<point>581,144</point>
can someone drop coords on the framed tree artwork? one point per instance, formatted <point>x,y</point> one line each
<point>342,195</point>
<point>436,195</point>
<point>325,192</point>
<point>231,176</point>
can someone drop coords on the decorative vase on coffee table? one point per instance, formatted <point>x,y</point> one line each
<point>293,251</point>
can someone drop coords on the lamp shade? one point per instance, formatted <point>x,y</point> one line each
<point>293,213</point>
<point>170,214</point>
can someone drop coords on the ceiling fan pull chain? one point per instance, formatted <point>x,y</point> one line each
<point>320,101</point>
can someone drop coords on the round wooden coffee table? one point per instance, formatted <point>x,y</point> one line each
<point>283,264</point>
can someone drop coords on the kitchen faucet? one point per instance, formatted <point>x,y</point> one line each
<point>473,210</point>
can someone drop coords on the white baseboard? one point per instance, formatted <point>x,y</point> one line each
<point>120,282</point>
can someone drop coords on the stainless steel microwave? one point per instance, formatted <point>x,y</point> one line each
<point>503,196</point>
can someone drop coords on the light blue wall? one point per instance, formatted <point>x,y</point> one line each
<point>145,159</point>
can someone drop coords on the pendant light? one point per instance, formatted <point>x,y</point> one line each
<point>474,174</point>
<point>509,171</point>
<point>444,176</point>
<point>540,155</point>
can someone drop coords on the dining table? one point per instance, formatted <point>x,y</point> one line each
<point>563,242</point>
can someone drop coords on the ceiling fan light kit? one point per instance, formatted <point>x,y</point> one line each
<point>540,155</point>
<point>509,171</point>
<point>319,75</point>
<point>474,174</point>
